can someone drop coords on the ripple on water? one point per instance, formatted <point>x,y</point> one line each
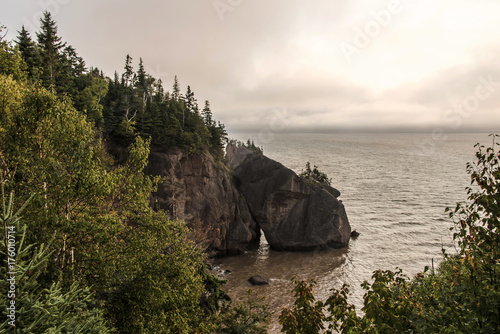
<point>394,193</point>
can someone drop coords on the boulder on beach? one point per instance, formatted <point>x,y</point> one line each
<point>259,280</point>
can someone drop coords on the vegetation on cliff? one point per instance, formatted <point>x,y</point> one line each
<point>314,175</point>
<point>90,254</point>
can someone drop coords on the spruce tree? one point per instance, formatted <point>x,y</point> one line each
<point>128,75</point>
<point>50,48</point>
<point>141,76</point>
<point>207,114</point>
<point>29,52</point>
<point>176,91</point>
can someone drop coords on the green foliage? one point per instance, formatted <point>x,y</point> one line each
<point>477,230</point>
<point>103,252</point>
<point>307,315</point>
<point>11,60</point>
<point>314,175</point>
<point>461,296</point>
<point>251,316</point>
<point>39,310</point>
<point>135,105</point>
<point>250,144</point>
<point>51,46</point>
<point>157,286</point>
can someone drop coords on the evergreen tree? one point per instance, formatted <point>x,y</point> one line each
<point>116,78</point>
<point>75,63</point>
<point>39,310</point>
<point>159,91</point>
<point>50,48</point>
<point>207,114</point>
<point>176,90</point>
<point>29,52</point>
<point>128,75</point>
<point>141,76</point>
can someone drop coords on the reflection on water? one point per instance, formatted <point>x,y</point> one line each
<point>394,193</point>
<point>328,266</point>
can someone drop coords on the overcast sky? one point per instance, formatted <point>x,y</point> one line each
<point>290,64</point>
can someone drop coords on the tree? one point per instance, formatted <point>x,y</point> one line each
<point>35,309</point>
<point>165,264</point>
<point>176,90</point>
<point>50,49</point>
<point>207,114</point>
<point>314,175</point>
<point>30,53</point>
<point>89,99</point>
<point>11,61</point>
<point>141,76</point>
<point>128,75</point>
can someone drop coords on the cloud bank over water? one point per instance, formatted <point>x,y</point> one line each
<point>332,65</point>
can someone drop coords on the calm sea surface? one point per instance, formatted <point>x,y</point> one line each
<point>395,188</point>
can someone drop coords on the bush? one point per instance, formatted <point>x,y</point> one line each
<point>314,175</point>
<point>39,310</point>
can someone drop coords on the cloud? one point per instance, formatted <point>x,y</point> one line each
<point>260,56</point>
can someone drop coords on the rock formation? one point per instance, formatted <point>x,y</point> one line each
<point>293,213</point>
<point>259,280</point>
<point>227,208</point>
<point>200,191</point>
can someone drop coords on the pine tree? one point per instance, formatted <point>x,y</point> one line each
<point>207,114</point>
<point>127,77</point>
<point>141,76</point>
<point>50,46</point>
<point>190,102</point>
<point>75,63</point>
<point>38,309</point>
<point>176,91</point>
<point>29,52</point>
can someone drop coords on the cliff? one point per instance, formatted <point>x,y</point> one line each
<point>228,206</point>
<point>199,191</point>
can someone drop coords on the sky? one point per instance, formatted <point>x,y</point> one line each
<point>292,65</point>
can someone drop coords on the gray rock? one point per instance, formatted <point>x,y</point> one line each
<point>236,155</point>
<point>259,280</point>
<point>294,214</point>
<point>201,192</point>
<point>226,212</point>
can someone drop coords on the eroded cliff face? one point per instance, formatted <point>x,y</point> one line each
<point>294,214</point>
<point>228,206</point>
<point>201,192</point>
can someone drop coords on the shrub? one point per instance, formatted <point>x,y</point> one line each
<point>315,175</point>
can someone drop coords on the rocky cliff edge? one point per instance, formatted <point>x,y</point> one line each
<point>227,206</point>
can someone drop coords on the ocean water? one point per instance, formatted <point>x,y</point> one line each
<point>395,188</point>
